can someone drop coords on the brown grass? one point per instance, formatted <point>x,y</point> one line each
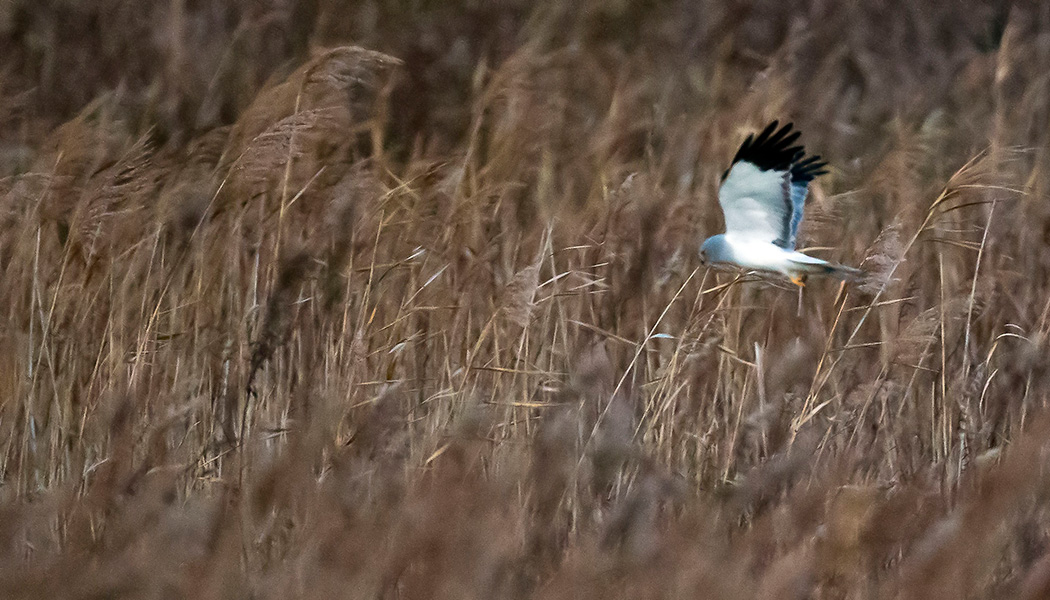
<point>286,317</point>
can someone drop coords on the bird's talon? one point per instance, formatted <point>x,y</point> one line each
<point>800,281</point>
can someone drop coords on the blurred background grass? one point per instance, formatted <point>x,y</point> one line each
<point>401,299</point>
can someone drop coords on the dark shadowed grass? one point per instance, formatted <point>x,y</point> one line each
<point>290,317</point>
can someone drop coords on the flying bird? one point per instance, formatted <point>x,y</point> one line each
<point>763,197</point>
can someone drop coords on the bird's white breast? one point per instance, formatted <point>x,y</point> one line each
<point>753,254</point>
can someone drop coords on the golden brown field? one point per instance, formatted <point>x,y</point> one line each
<point>401,300</point>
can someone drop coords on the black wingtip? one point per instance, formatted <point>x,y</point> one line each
<point>772,150</point>
<point>804,171</point>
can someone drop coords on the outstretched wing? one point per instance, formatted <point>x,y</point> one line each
<point>764,191</point>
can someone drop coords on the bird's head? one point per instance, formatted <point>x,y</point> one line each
<point>714,250</point>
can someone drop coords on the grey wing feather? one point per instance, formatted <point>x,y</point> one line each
<point>802,172</point>
<point>799,191</point>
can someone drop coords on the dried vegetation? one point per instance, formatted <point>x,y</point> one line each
<point>289,318</point>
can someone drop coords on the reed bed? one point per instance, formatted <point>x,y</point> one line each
<point>400,300</point>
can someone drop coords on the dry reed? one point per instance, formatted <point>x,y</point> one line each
<point>289,317</point>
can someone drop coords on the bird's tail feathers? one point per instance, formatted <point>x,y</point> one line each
<point>816,266</point>
<point>843,272</point>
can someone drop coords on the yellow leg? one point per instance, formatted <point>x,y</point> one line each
<point>799,280</point>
